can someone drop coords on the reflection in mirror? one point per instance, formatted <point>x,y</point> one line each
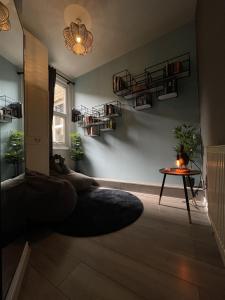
<point>11,96</point>
<point>11,147</point>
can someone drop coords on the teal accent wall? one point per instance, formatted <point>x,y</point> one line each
<point>143,141</point>
<point>10,85</point>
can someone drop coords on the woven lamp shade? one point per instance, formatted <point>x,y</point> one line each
<point>4,18</point>
<point>78,39</point>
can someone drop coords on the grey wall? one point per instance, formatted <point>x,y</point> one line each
<point>10,85</point>
<point>210,22</point>
<point>143,141</point>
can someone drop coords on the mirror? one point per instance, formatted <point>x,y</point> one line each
<point>11,95</point>
<point>11,134</point>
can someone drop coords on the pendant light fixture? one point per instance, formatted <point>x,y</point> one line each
<point>77,38</point>
<point>4,18</point>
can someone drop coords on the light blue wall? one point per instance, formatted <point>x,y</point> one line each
<point>10,85</point>
<point>143,141</point>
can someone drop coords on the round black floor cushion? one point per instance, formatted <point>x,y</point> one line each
<point>101,211</point>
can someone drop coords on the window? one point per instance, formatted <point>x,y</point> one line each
<point>59,125</point>
<point>59,130</point>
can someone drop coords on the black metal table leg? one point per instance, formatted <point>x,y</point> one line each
<point>164,178</point>
<point>192,191</point>
<point>186,198</point>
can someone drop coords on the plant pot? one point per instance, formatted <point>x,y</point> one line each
<point>77,166</point>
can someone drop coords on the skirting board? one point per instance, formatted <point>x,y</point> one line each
<point>170,191</point>
<point>218,241</point>
<point>14,289</point>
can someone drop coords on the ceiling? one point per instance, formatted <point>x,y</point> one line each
<point>118,26</point>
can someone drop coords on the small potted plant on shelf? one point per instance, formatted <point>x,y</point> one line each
<point>15,150</point>
<point>76,149</point>
<point>189,144</point>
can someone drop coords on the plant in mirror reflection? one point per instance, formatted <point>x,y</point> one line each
<point>15,149</point>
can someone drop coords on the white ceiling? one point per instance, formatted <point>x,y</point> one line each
<point>118,26</point>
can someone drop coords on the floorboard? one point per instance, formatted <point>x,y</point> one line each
<point>160,256</point>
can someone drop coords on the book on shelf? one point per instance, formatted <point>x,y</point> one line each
<point>170,90</point>
<point>87,120</point>
<point>109,109</point>
<point>11,110</point>
<point>173,68</point>
<point>109,125</point>
<point>143,100</point>
<point>119,84</point>
<point>170,86</point>
<point>93,130</point>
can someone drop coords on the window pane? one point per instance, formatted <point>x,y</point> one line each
<point>58,130</point>
<point>60,99</point>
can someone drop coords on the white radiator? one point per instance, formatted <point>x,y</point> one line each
<point>216,193</point>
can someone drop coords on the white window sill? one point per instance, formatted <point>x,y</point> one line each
<point>60,147</point>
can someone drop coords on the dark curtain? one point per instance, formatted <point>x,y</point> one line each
<point>51,90</point>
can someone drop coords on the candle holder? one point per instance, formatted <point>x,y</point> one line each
<point>182,161</point>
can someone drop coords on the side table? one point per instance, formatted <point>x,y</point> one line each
<point>184,175</point>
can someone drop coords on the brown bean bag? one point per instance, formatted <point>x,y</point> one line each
<point>49,199</point>
<point>13,209</point>
<point>34,198</point>
<point>79,181</point>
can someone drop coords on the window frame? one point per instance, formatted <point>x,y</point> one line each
<point>65,116</point>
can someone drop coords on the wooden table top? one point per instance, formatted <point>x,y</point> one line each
<point>179,172</point>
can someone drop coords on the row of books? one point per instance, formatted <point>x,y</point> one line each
<point>93,131</point>
<point>11,110</point>
<point>173,68</point>
<point>96,115</point>
<point>110,109</point>
<point>143,100</point>
<point>119,84</point>
<point>170,86</point>
<point>110,124</point>
<point>88,120</point>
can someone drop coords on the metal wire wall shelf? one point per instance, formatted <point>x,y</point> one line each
<point>99,118</point>
<point>9,109</point>
<point>159,79</point>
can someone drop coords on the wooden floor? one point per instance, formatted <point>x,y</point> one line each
<point>160,256</point>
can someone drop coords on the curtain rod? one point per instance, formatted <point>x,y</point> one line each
<point>67,80</point>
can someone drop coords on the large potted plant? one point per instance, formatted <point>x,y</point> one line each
<point>76,149</point>
<point>189,144</point>
<point>189,137</point>
<point>15,150</point>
